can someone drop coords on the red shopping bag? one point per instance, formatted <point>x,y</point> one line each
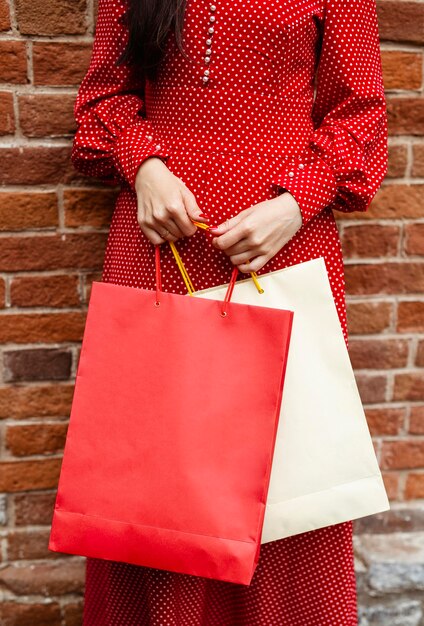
<point>172,429</point>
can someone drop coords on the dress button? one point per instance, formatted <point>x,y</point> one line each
<point>212,7</point>
<point>291,174</point>
<point>210,30</point>
<point>212,18</point>
<point>149,137</point>
<point>205,79</point>
<point>158,146</point>
<point>301,166</point>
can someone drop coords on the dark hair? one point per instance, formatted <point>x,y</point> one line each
<point>149,23</point>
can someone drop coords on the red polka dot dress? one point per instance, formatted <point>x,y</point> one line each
<point>272,96</point>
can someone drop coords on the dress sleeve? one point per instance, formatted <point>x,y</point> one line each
<point>346,157</point>
<point>113,136</point>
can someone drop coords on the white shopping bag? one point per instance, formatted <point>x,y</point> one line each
<point>324,469</point>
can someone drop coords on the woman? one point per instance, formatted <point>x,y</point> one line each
<point>225,129</point>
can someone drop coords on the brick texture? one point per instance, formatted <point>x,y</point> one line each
<point>53,229</point>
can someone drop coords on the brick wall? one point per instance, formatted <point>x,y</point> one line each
<point>53,228</point>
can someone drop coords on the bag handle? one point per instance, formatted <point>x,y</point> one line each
<point>187,280</point>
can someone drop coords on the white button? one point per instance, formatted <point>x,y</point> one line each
<point>291,174</point>
<point>212,7</point>
<point>301,166</point>
<point>208,42</point>
<point>210,30</point>
<point>158,146</point>
<point>205,79</point>
<point>212,18</point>
<point>149,137</point>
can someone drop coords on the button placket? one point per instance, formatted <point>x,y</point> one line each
<point>209,41</point>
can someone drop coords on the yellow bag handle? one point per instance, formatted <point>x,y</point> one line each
<point>184,273</point>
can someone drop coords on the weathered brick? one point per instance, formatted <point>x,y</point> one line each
<point>34,210</point>
<point>418,160</point>
<point>34,509</point>
<point>392,484</point>
<point>36,401</point>
<point>402,454</point>
<point>4,16</point>
<point>7,115</point>
<point>419,359</point>
<point>390,277</point>
<point>370,241</point>
<point>13,62</point>
<point>416,420</point>
<point>385,421</point>
<point>405,115</point>
<point>396,167</point>
<point>378,353</point>
<point>409,386</point>
<point>37,364</point>
<point>28,475</point>
<point>47,115</point>
<point>414,487</point>
<point>2,293</point>
<point>42,327</point>
<point>88,207</point>
<point>31,165</point>
<point>35,438</point>
<point>372,388</point>
<point>47,579</point>
<point>402,70</point>
<point>57,63</point>
<point>59,290</point>
<point>401,21</point>
<point>368,317</point>
<point>414,243</point>
<point>30,614</point>
<point>394,520</point>
<point>51,17</point>
<point>410,316</point>
<point>73,613</point>
<point>393,202</point>
<point>28,544</point>
<point>52,252</point>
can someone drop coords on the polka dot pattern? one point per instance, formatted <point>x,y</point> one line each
<point>251,131</point>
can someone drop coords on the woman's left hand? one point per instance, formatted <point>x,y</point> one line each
<point>256,234</point>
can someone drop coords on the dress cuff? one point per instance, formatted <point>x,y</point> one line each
<point>135,144</point>
<point>310,181</point>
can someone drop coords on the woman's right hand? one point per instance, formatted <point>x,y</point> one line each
<point>165,206</point>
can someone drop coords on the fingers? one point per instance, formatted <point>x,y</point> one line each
<point>255,265</point>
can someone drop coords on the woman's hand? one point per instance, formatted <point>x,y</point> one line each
<point>165,206</point>
<point>258,232</point>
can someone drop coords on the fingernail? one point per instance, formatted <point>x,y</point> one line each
<point>204,215</point>
<point>214,231</point>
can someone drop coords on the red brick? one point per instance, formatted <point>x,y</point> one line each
<point>416,420</point>
<point>402,70</point>
<point>28,475</point>
<point>52,252</point>
<point>393,202</point>
<point>414,243</point>
<point>36,401</point>
<point>60,290</point>
<point>73,614</point>
<point>401,21</point>
<point>402,454</point>
<point>2,293</point>
<point>34,210</point>
<point>368,317</point>
<point>48,579</point>
<point>37,364</point>
<point>7,115</point>
<point>418,160</point>
<point>405,115</point>
<point>42,327</point>
<point>4,16</point>
<point>378,353</point>
<point>392,484</point>
<point>414,487</point>
<point>370,240</point>
<point>410,316</point>
<point>36,439</point>
<point>390,277</point>
<point>419,359</point>
<point>396,168</point>
<point>51,17</point>
<point>88,207</point>
<point>385,421</point>
<point>30,614</point>
<point>57,63</point>
<point>89,279</point>
<point>13,62</point>
<point>34,509</point>
<point>47,115</point>
<point>372,388</point>
<point>36,165</point>
<point>28,544</point>
<point>409,386</point>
